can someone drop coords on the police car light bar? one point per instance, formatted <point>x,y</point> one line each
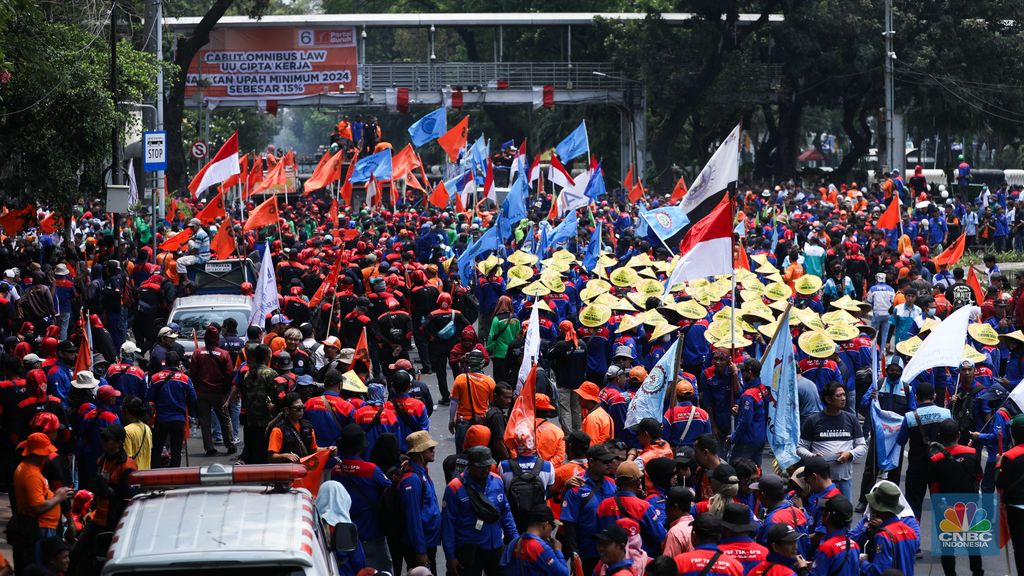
<point>219,475</point>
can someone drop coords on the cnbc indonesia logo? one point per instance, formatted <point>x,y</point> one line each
<point>965,525</point>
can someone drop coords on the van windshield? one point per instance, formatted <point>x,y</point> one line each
<point>222,571</point>
<point>197,320</point>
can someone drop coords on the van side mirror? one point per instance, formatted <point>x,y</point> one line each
<point>345,537</point>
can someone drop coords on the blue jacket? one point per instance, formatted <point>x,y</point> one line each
<point>674,424</point>
<point>599,348</point>
<point>580,508</point>
<point>615,403</point>
<point>837,555</point>
<point>422,512</point>
<point>173,395</point>
<point>785,513</point>
<point>652,524</point>
<point>459,523</point>
<point>892,396</point>
<point>696,348</point>
<point>412,417</point>
<point>752,418</point>
<point>530,555</point>
<point>58,379</point>
<point>63,294</point>
<point>715,390</point>
<point>893,546</point>
<point>488,291</point>
<point>365,482</point>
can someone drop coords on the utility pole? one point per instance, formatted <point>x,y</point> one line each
<point>890,93</point>
<point>115,136</point>
<point>159,111</point>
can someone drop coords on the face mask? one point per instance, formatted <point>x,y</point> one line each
<point>931,311</point>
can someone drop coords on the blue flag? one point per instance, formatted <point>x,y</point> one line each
<point>642,229</point>
<point>593,249</point>
<point>378,164</point>
<point>595,187</point>
<point>566,230</point>
<point>486,243</point>
<point>513,209</point>
<point>648,400</point>
<point>429,127</point>
<point>778,374</point>
<point>574,145</point>
<point>667,222</point>
<point>886,427</point>
<point>478,154</point>
<point>775,234</point>
<point>542,239</point>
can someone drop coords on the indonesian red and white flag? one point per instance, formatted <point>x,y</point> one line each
<point>489,191</point>
<point>223,166</point>
<point>558,174</point>
<point>706,250</point>
<point>535,169</point>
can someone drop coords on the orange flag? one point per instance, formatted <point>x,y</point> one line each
<point>553,210</point>
<point>326,172</point>
<point>289,159</point>
<point>330,282</point>
<point>627,182</point>
<point>254,177</point>
<point>346,187</point>
<point>271,161</point>
<point>521,431</point>
<point>636,192</point>
<point>317,172</point>
<point>314,464</point>
<point>332,213</point>
<point>51,223</point>
<point>363,352</point>
<point>952,254</point>
<point>84,359</point>
<point>263,215</point>
<point>455,139</point>
<point>15,221</point>
<point>176,241</point>
<point>740,257</point>
<point>678,192</point>
<point>404,162</point>
<point>891,217</point>
<point>972,281</point>
<point>459,206</point>
<point>213,210</point>
<point>275,178</point>
<point>440,197</point>
<point>223,243</point>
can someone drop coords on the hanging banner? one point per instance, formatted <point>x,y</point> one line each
<point>274,63</point>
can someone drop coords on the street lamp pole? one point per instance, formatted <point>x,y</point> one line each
<point>634,152</point>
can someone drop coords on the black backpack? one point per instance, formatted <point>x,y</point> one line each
<point>391,506</point>
<point>525,491</point>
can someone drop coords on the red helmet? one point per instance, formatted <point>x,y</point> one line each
<point>247,289</point>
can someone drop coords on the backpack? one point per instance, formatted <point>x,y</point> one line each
<point>525,491</point>
<point>391,506</point>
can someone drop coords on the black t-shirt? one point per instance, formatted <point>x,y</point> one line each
<point>960,295</point>
<point>822,428</point>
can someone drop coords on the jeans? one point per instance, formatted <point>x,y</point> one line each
<point>44,535</point>
<point>881,325</point>
<point>235,411</point>
<point>846,487</point>
<point>64,319</point>
<point>173,434</point>
<point>212,403</point>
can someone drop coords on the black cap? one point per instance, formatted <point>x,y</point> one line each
<point>540,513</point>
<point>736,517</point>
<point>113,432</point>
<point>707,525</point>
<point>725,474</point>
<point>649,425</point>
<point>816,465</point>
<point>949,430</point>
<point>684,455</point>
<point>601,453</point>
<point>660,471</point>
<point>841,510</point>
<point>480,456</point>
<point>613,533</point>
<point>67,346</point>
<point>363,301</point>
<point>771,485</point>
<point>783,533</point>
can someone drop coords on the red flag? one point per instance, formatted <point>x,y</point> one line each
<point>84,359</point>
<point>678,192</point>
<point>459,206</point>
<point>15,221</point>
<point>329,283</point>
<point>332,213</point>
<point>255,176</point>
<point>891,217</point>
<point>520,431</point>
<point>362,352</point>
<point>636,192</point>
<point>972,281</point>
<point>952,254</point>
<point>51,223</point>
<point>213,210</point>
<point>177,241</point>
<point>346,188</point>
<point>553,210</point>
<point>627,182</point>
<point>440,197</point>
<point>455,139</point>
<point>740,257</point>
<point>314,464</point>
<point>274,179</point>
<point>223,243</point>
<point>263,215</point>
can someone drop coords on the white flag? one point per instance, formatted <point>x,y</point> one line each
<point>943,347</point>
<point>531,350</point>
<point>265,299</point>
<point>133,189</point>
<point>575,196</point>
<point>721,171</point>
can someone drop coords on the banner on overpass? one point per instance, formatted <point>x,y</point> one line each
<point>274,63</point>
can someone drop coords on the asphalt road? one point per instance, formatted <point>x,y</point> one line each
<point>928,565</point>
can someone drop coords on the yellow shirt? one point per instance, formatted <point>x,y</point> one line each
<point>138,443</point>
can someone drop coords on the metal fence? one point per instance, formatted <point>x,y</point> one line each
<point>469,75</point>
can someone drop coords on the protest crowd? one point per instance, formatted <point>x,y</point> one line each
<point>632,383</point>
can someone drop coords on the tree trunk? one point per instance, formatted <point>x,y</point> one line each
<point>174,104</point>
<point>855,124</point>
<point>764,156</point>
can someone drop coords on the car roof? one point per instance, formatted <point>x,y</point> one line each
<point>215,524</point>
<point>213,301</point>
